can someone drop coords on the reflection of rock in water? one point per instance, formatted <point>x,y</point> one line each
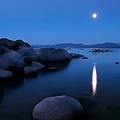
<point>14,82</point>
<point>113,107</point>
<point>81,100</point>
<point>1,93</point>
<point>89,104</point>
<point>59,65</point>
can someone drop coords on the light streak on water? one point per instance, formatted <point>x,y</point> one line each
<point>94,80</point>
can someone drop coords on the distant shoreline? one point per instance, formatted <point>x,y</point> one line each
<point>72,45</point>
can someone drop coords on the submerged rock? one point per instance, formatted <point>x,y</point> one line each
<point>57,108</point>
<point>52,68</point>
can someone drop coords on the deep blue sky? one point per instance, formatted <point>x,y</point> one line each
<point>60,21</point>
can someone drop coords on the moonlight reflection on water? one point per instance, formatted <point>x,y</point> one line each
<point>94,80</point>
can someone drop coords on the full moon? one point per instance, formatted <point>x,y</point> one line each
<point>94,15</point>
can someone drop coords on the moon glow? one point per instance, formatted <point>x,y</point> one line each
<point>94,15</point>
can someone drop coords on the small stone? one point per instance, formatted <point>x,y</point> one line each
<point>85,58</point>
<point>74,55</point>
<point>116,62</point>
<point>52,68</point>
<point>31,71</point>
<point>37,65</point>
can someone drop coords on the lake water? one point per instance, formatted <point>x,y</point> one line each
<point>96,79</point>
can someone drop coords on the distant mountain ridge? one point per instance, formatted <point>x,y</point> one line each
<point>72,45</point>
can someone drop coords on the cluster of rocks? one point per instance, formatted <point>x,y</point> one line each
<point>100,50</point>
<point>20,56</point>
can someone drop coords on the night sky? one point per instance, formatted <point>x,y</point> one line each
<point>60,21</point>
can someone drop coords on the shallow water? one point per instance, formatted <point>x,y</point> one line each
<point>102,92</point>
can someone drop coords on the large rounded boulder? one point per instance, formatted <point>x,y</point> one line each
<point>28,54</point>
<point>57,108</point>
<point>52,54</point>
<point>10,60</point>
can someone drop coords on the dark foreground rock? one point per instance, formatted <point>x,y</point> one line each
<point>10,60</point>
<point>52,54</point>
<point>58,108</point>
<point>5,74</point>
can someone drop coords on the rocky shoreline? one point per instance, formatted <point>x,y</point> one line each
<point>19,57</point>
<point>16,56</point>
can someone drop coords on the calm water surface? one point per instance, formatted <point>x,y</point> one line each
<point>96,79</point>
